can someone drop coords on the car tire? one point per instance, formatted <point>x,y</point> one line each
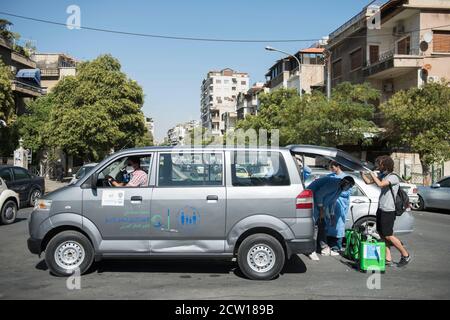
<point>261,257</point>
<point>367,222</point>
<point>68,251</point>
<point>34,195</point>
<point>8,212</point>
<point>420,206</point>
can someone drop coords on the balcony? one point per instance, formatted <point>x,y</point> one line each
<point>17,57</point>
<point>392,64</point>
<point>50,73</point>
<point>26,89</point>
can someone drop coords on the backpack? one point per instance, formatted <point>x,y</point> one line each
<point>401,201</point>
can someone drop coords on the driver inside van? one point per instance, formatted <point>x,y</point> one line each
<point>138,176</point>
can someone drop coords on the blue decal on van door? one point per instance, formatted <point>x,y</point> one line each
<point>188,217</point>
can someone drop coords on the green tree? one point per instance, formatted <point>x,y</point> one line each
<point>313,119</point>
<point>6,95</point>
<point>33,126</point>
<point>419,118</point>
<point>6,34</point>
<point>8,136</point>
<point>97,110</point>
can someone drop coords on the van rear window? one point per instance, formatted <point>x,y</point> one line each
<point>258,168</point>
<point>190,169</point>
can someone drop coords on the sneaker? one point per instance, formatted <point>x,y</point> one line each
<point>326,251</point>
<point>314,257</point>
<point>334,253</point>
<point>404,261</point>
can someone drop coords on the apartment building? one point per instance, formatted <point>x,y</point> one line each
<point>26,82</point>
<point>179,133</point>
<point>54,67</point>
<point>285,73</point>
<point>150,126</point>
<point>248,102</point>
<point>219,93</point>
<point>412,46</point>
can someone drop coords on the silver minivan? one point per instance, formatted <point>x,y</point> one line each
<point>213,202</point>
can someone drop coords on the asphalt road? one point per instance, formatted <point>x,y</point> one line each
<point>25,276</point>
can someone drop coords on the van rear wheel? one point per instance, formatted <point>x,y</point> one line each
<point>261,257</point>
<point>68,252</point>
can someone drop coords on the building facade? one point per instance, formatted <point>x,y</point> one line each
<point>54,67</point>
<point>411,47</point>
<point>219,93</point>
<point>248,102</point>
<point>179,134</point>
<point>26,81</point>
<point>150,126</point>
<point>285,73</point>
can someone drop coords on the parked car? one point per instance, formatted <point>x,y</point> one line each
<point>29,186</point>
<point>9,204</point>
<point>82,171</point>
<point>411,190</point>
<point>260,220</point>
<point>364,204</point>
<point>437,196</point>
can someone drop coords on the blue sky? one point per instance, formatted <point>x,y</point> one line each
<point>171,71</point>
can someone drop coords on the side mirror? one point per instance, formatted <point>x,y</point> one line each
<point>94,179</point>
<point>435,185</point>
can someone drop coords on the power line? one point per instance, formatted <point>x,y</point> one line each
<point>156,35</point>
<point>186,38</point>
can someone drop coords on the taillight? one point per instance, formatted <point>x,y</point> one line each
<point>305,200</point>
<point>415,190</point>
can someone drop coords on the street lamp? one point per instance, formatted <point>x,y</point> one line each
<point>298,61</point>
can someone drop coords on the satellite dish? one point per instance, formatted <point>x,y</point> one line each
<point>428,37</point>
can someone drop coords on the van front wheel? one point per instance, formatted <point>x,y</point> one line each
<point>261,257</point>
<point>69,252</point>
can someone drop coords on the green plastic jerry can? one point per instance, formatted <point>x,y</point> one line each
<point>372,255</point>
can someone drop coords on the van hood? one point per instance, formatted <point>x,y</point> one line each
<point>57,192</point>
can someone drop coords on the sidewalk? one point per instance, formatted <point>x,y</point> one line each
<point>51,185</point>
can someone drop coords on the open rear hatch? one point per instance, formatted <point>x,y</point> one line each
<point>343,158</point>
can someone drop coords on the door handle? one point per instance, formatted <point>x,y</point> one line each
<point>358,201</point>
<point>136,199</point>
<point>212,198</point>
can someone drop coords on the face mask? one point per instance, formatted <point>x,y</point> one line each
<point>129,169</point>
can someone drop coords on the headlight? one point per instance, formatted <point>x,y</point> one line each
<point>43,204</point>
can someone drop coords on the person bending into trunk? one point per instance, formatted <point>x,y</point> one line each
<point>386,207</point>
<point>326,191</point>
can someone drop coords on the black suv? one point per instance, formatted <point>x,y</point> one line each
<point>29,186</point>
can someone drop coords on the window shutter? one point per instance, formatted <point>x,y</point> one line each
<point>441,41</point>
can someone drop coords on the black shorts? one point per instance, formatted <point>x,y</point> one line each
<point>385,223</point>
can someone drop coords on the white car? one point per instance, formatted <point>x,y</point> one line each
<point>411,189</point>
<point>9,204</point>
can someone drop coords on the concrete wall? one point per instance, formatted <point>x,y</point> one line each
<point>311,74</point>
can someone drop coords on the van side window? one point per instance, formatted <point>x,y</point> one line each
<point>190,169</point>
<point>258,168</point>
<point>124,174</point>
